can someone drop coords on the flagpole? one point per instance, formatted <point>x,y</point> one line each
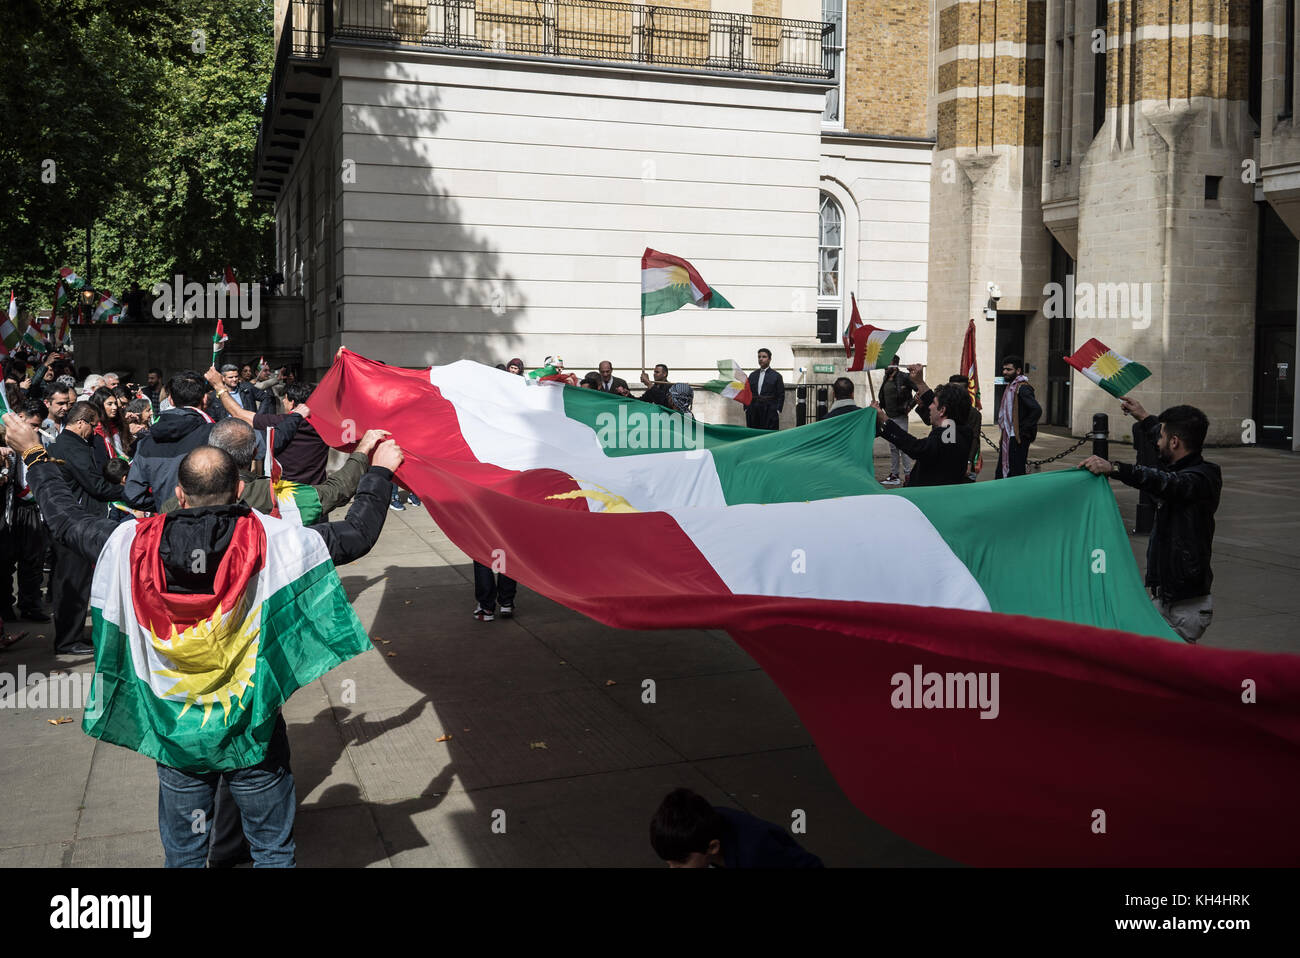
<point>643,343</point>
<point>871,385</point>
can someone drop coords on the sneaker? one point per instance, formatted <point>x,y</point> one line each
<point>412,499</point>
<point>396,503</point>
<point>482,614</point>
<point>890,480</point>
<point>507,612</point>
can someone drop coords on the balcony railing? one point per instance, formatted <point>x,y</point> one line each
<point>574,29</point>
<point>591,30</point>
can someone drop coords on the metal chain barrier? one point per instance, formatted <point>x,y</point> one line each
<point>1039,463</point>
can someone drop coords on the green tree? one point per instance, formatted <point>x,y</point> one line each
<point>149,112</point>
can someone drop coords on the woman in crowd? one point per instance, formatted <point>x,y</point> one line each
<point>112,432</point>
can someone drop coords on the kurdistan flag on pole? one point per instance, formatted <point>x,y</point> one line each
<point>875,348</point>
<point>775,537</point>
<point>9,335</point>
<point>34,337</point>
<point>669,282</point>
<point>107,310</point>
<point>1107,368</point>
<point>734,383</point>
<point>195,681</point>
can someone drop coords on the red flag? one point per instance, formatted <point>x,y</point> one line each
<point>968,367</point>
<point>855,323</point>
<point>230,281</point>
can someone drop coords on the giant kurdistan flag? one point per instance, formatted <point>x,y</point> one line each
<point>670,282</point>
<point>776,537</point>
<point>195,681</point>
<point>1107,368</point>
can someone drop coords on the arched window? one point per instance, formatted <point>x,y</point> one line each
<point>829,257</point>
<point>832,248</point>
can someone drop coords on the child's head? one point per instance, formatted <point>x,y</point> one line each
<point>115,471</point>
<point>686,832</point>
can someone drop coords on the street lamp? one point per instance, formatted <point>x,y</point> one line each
<point>87,304</point>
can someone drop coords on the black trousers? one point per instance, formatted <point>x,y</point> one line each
<point>228,846</point>
<point>1019,454</point>
<point>490,586</point>
<point>22,547</point>
<point>70,585</point>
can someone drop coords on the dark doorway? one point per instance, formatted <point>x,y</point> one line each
<point>1010,341</point>
<point>1275,330</point>
<point>1060,343</point>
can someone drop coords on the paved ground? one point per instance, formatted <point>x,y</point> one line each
<point>546,721</point>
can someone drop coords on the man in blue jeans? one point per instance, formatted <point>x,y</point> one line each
<point>211,521</point>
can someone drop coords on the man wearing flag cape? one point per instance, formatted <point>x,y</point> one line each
<point>209,606</point>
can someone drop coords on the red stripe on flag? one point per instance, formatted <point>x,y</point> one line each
<point>653,259</point>
<point>1151,731</point>
<point>1087,354</point>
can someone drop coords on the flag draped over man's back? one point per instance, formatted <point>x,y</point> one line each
<point>1097,704</point>
<point>194,681</point>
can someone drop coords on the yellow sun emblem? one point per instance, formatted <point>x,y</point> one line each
<point>213,660</point>
<point>677,276</point>
<point>1106,365</point>
<point>613,503</point>
<point>871,353</point>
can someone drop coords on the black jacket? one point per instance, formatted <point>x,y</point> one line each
<point>84,472</point>
<point>896,395</point>
<point>938,463</point>
<point>207,528</point>
<point>158,456</point>
<point>250,397</point>
<point>764,411</point>
<point>1187,496</point>
<point>657,393</point>
<point>1029,412</point>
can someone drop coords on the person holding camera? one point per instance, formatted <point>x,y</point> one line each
<point>896,400</point>
<point>1187,496</point>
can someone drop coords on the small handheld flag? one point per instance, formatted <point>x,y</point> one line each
<point>231,284</point>
<point>218,342</point>
<point>8,331</point>
<point>1107,368</point>
<point>875,348</point>
<point>734,383</point>
<point>669,282</point>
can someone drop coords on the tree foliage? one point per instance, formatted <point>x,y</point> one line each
<point>147,130</point>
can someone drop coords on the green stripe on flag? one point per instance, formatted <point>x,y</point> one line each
<point>1124,381</point>
<point>316,630</point>
<point>665,300</point>
<point>1074,563</point>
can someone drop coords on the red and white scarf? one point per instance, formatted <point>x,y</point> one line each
<point>1006,420</point>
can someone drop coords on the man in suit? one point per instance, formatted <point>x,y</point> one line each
<point>610,383</point>
<point>1018,417</point>
<point>768,390</point>
<point>70,585</point>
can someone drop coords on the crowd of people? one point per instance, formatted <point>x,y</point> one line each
<point>120,444</point>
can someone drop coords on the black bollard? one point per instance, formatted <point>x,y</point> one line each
<point>1101,435</point>
<point>800,405</point>
<point>821,403</point>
